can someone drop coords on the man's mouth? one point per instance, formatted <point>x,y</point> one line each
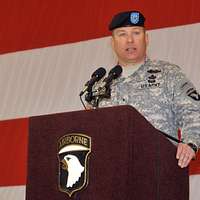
<point>131,49</point>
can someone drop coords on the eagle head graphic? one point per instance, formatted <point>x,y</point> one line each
<point>72,164</point>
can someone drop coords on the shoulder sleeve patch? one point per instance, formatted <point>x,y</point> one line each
<point>190,91</point>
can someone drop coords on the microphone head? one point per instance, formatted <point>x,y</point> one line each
<point>99,73</point>
<point>116,71</point>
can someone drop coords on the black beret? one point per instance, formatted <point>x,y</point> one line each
<point>128,18</point>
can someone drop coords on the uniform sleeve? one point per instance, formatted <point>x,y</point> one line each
<point>186,107</point>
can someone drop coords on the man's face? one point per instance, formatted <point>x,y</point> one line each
<point>129,43</point>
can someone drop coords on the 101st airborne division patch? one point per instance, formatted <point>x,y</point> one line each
<point>73,152</point>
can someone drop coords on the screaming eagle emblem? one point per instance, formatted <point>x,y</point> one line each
<point>73,152</point>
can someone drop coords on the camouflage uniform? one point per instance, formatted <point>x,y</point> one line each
<point>163,95</point>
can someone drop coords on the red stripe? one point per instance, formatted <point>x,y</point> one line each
<point>195,165</point>
<point>37,23</point>
<point>13,152</point>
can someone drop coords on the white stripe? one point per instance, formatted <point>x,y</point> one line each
<point>48,80</point>
<point>195,187</point>
<point>12,193</point>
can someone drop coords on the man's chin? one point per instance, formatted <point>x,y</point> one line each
<point>132,59</point>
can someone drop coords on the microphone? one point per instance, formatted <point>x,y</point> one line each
<point>114,73</point>
<point>103,91</point>
<point>96,76</point>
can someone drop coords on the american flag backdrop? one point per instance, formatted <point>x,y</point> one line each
<point>49,48</point>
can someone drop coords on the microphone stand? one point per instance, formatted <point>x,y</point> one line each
<point>104,92</point>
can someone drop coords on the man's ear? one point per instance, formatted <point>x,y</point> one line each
<point>147,39</point>
<point>112,42</point>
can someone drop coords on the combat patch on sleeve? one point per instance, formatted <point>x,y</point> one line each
<point>190,91</point>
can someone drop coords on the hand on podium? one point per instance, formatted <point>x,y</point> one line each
<point>184,154</point>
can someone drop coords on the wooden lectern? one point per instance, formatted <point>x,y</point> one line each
<point>129,159</point>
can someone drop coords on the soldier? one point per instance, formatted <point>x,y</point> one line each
<point>157,89</point>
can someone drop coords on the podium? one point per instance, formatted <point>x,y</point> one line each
<point>129,159</point>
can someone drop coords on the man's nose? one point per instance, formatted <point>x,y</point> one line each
<point>130,38</point>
